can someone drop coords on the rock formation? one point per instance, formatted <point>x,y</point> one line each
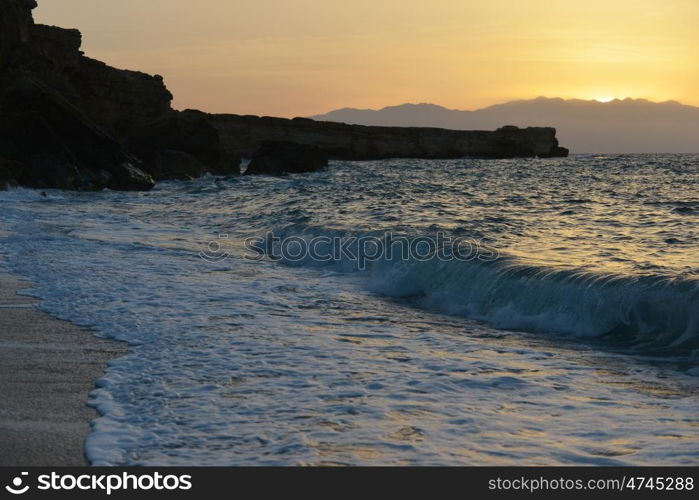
<point>67,121</point>
<point>281,158</point>
<point>71,122</point>
<point>54,145</point>
<point>181,146</point>
<point>243,135</point>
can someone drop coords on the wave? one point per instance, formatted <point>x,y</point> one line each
<point>652,313</point>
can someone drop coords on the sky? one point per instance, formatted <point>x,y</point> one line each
<point>305,57</point>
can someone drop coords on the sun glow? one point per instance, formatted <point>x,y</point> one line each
<point>305,57</point>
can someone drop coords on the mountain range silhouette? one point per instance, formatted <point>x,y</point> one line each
<point>617,126</point>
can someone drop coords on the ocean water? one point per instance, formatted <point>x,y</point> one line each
<point>570,337</point>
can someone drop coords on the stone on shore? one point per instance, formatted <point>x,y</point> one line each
<point>9,172</point>
<point>283,158</point>
<point>181,146</point>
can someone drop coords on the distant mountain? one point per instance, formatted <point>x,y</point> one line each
<point>618,126</point>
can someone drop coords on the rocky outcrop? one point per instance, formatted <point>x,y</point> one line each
<point>174,164</point>
<point>282,158</point>
<point>115,99</point>
<point>71,122</point>
<point>119,100</point>
<point>53,145</point>
<point>67,120</point>
<point>244,135</point>
<point>9,171</point>
<point>181,146</point>
<point>15,23</point>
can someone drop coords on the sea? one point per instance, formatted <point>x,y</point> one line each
<point>394,312</point>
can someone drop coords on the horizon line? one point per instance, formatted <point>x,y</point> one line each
<point>598,100</point>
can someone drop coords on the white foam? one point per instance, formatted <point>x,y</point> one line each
<point>254,363</point>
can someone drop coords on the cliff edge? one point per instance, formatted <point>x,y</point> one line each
<point>68,121</point>
<point>243,135</point>
<point>71,122</point>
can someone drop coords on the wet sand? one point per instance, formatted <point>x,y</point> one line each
<point>47,369</point>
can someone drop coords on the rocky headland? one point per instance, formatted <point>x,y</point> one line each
<point>244,135</point>
<point>68,121</point>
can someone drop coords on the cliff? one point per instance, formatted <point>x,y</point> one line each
<point>71,122</point>
<point>115,99</point>
<point>68,121</point>
<point>243,135</point>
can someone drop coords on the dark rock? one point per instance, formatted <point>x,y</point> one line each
<point>115,99</point>
<point>178,165</point>
<point>57,145</point>
<point>7,180</point>
<point>50,172</point>
<point>10,171</point>
<point>55,54</point>
<point>244,135</point>
<point>281,158</point>
<point>513,142</point>
<point>555,152</point>
<point>127,177</point>
<point>118,100</point>
<point>15,23</point>
<point>74,122</point>
<point>228,167</point>
<point>193,137</point>
<point>62,115</point>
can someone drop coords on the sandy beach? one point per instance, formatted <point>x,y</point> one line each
<point>47,369</point>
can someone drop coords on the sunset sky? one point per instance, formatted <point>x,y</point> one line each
<point>302,57</point>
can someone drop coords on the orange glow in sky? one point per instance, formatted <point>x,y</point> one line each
<point>302,57</point>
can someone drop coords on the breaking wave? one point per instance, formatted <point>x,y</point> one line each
<point>656,313</point>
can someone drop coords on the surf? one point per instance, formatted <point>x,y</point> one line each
<point>650,312</point>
